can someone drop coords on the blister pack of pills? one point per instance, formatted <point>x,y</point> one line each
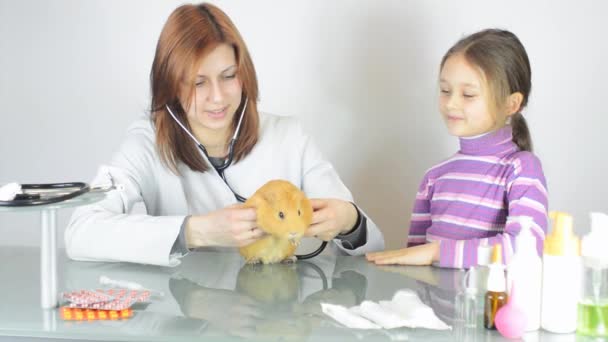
<point>105,299</point>
<point>77,314</point>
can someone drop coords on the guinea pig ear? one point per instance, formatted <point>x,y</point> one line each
<point>297,197</point>
<point>261,199</point>
<point>255,201</point>
<point>269,197</point>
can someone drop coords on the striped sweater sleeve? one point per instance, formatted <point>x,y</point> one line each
<point>421,214</point>
<point>526,194</point>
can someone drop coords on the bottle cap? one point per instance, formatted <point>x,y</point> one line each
<point>496,278</point>
<point>561,240</point>
<point>470,281</point>
<point>497,254</point>
<point>483,255</point>
<point>525,242</point>
<point>594,245</point>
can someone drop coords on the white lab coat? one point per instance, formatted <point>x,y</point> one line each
<point>108,231</point>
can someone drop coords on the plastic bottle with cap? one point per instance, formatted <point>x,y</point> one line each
<point>475,281</point>
<point>561,276</point>
<point>593,303</point>
<point>525,270</point>
<point>465,326</point>
<point>466,300</point>
<point>496,296</point>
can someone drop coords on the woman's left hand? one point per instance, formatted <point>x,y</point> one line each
<point>417,255</point>
<point>331,217</point>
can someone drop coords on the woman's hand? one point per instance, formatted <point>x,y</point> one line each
<point>231,226</point>
<point>331,217</point>
<point>417,255</point>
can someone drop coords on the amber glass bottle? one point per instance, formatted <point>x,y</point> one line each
<point>496,296</point>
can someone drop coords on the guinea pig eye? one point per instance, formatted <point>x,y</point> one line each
<point>281,215</point>
<point>299,214</point>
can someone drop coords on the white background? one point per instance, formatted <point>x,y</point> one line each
<point>360,75</point>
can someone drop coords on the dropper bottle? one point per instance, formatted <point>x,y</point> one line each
<point>496,296</point>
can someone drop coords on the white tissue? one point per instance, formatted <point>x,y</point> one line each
<point>417,314</point>
<point>404,310</point>
<point>9,191</point>
<point>384,317</point>
<point>346,317</point>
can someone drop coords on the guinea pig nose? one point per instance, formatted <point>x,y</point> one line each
<point>281,215</point>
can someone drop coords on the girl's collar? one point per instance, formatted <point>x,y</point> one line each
<point>498,142</point>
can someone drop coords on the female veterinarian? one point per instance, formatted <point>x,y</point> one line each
<point>202,150</point>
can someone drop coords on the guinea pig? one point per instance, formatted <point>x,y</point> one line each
<point>284,213</point>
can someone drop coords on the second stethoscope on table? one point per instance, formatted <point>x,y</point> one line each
<point>220,169</point>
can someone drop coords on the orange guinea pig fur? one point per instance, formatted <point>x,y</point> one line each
<point>283,213</point>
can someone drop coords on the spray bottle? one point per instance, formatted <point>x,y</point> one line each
<point>561,276</point>
<point>593,303</point>
<point>496,296</point>
<point>525,270</point>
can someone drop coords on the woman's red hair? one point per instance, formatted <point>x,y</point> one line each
<point>190,33</point>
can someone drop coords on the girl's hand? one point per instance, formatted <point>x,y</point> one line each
<point>231,226</point>
<point>417,255</point>
<point>331,217</point>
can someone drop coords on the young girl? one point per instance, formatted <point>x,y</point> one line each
<point>472,198</point>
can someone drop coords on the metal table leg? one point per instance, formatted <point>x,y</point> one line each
<point>48,259</point>
<point>49,319</point>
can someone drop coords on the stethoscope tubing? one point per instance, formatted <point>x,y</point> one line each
<point>32,194</point>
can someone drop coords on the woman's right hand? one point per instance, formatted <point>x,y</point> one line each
<point>233,226</point>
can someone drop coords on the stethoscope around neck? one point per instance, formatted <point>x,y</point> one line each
<point>228,161</point>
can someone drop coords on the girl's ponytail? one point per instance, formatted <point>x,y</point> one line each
<point>521,133</point>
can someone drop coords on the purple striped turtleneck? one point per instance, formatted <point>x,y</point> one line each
<point>470,199</point>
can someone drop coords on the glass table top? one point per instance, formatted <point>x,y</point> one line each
<point>215,296</point>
